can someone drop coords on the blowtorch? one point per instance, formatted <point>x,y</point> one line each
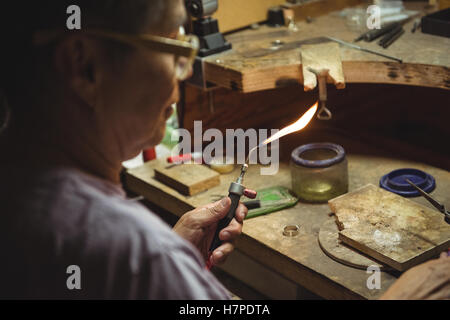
<point>236,189</point>
<point>235,193</point>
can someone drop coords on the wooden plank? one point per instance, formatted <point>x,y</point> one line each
<point>235,14</point>
<point>189,179</point>
<point>337,250</point>
<point>422,75</point>
<point>390,228</point>
<point>426,58</point>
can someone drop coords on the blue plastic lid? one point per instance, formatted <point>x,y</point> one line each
<point>395,182</point>
<point>337,151</point>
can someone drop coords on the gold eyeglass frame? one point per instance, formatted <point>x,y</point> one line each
<point>185,45</point>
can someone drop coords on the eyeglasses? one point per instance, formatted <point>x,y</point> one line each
<point>184,47</point>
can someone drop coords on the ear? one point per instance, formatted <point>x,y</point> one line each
<point>77,59</point>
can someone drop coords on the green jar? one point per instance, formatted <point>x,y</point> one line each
<point>319,172</point>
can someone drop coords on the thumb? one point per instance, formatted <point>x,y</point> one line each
<point>214,212</point>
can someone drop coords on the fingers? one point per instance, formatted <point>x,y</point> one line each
<point>213,212</point>
<point>231,232</point>
<point>251,194</point>
<point>241,212</point>
<point>228,235</point>
<point>221,253</point>
<point>234,229</point>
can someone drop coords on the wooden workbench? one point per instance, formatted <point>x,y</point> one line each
<point>298,259</point>
<point>426,57</point>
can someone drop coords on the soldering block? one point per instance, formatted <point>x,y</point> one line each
<point>394,230</point>
<point>188,179</point>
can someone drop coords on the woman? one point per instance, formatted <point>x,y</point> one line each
<point>80,103</point>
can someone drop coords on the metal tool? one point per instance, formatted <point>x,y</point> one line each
<point>255,204</point>
<point>390,34</point>
<point>416,25</point>
<point>436,204</point>
<point>393,35</point>
<point>252,204</point>
<point>324,113</point>
<point>206,27</point>
<point>354,46</point>
<point>394,38</point>
<point>362,36</point>
<point>201,8</point>
<point>376,33</point>
<point>235,193</point>
<point>286,46</point>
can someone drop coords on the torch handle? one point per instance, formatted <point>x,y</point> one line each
<point>235,196</point>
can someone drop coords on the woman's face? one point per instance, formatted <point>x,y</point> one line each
<point>136,97</point>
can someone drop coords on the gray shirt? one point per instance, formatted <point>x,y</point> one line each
<point>62,229</point>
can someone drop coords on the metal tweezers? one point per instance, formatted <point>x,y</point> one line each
<point>436,204</point>
<point>324,113</point>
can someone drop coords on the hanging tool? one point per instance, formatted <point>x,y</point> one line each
<point>324,113</point>
<point>436,204</point>
<point>354,46</point>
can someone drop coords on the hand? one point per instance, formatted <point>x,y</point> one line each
<point>430,280</point>
<point>199,226</point>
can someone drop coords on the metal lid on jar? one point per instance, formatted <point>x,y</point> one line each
<point>318,155</point>
<point>395,182</point>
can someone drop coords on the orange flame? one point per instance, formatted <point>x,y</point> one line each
<point>296,126</point>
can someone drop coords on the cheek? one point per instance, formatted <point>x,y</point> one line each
<point>164,79</point>
<point>158,89</point>
<point>155,86</point>
<point>140,97</point>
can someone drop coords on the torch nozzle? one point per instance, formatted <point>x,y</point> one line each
<point>243,171</point>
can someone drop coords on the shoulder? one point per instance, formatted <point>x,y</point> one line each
<point>122,249</point>
<point>157,263</point>
<point>102,213</point>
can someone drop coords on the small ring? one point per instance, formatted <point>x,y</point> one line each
<point>291,230</point>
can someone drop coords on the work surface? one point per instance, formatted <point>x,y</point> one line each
<point>300,258</point>
<point>246,68</point>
